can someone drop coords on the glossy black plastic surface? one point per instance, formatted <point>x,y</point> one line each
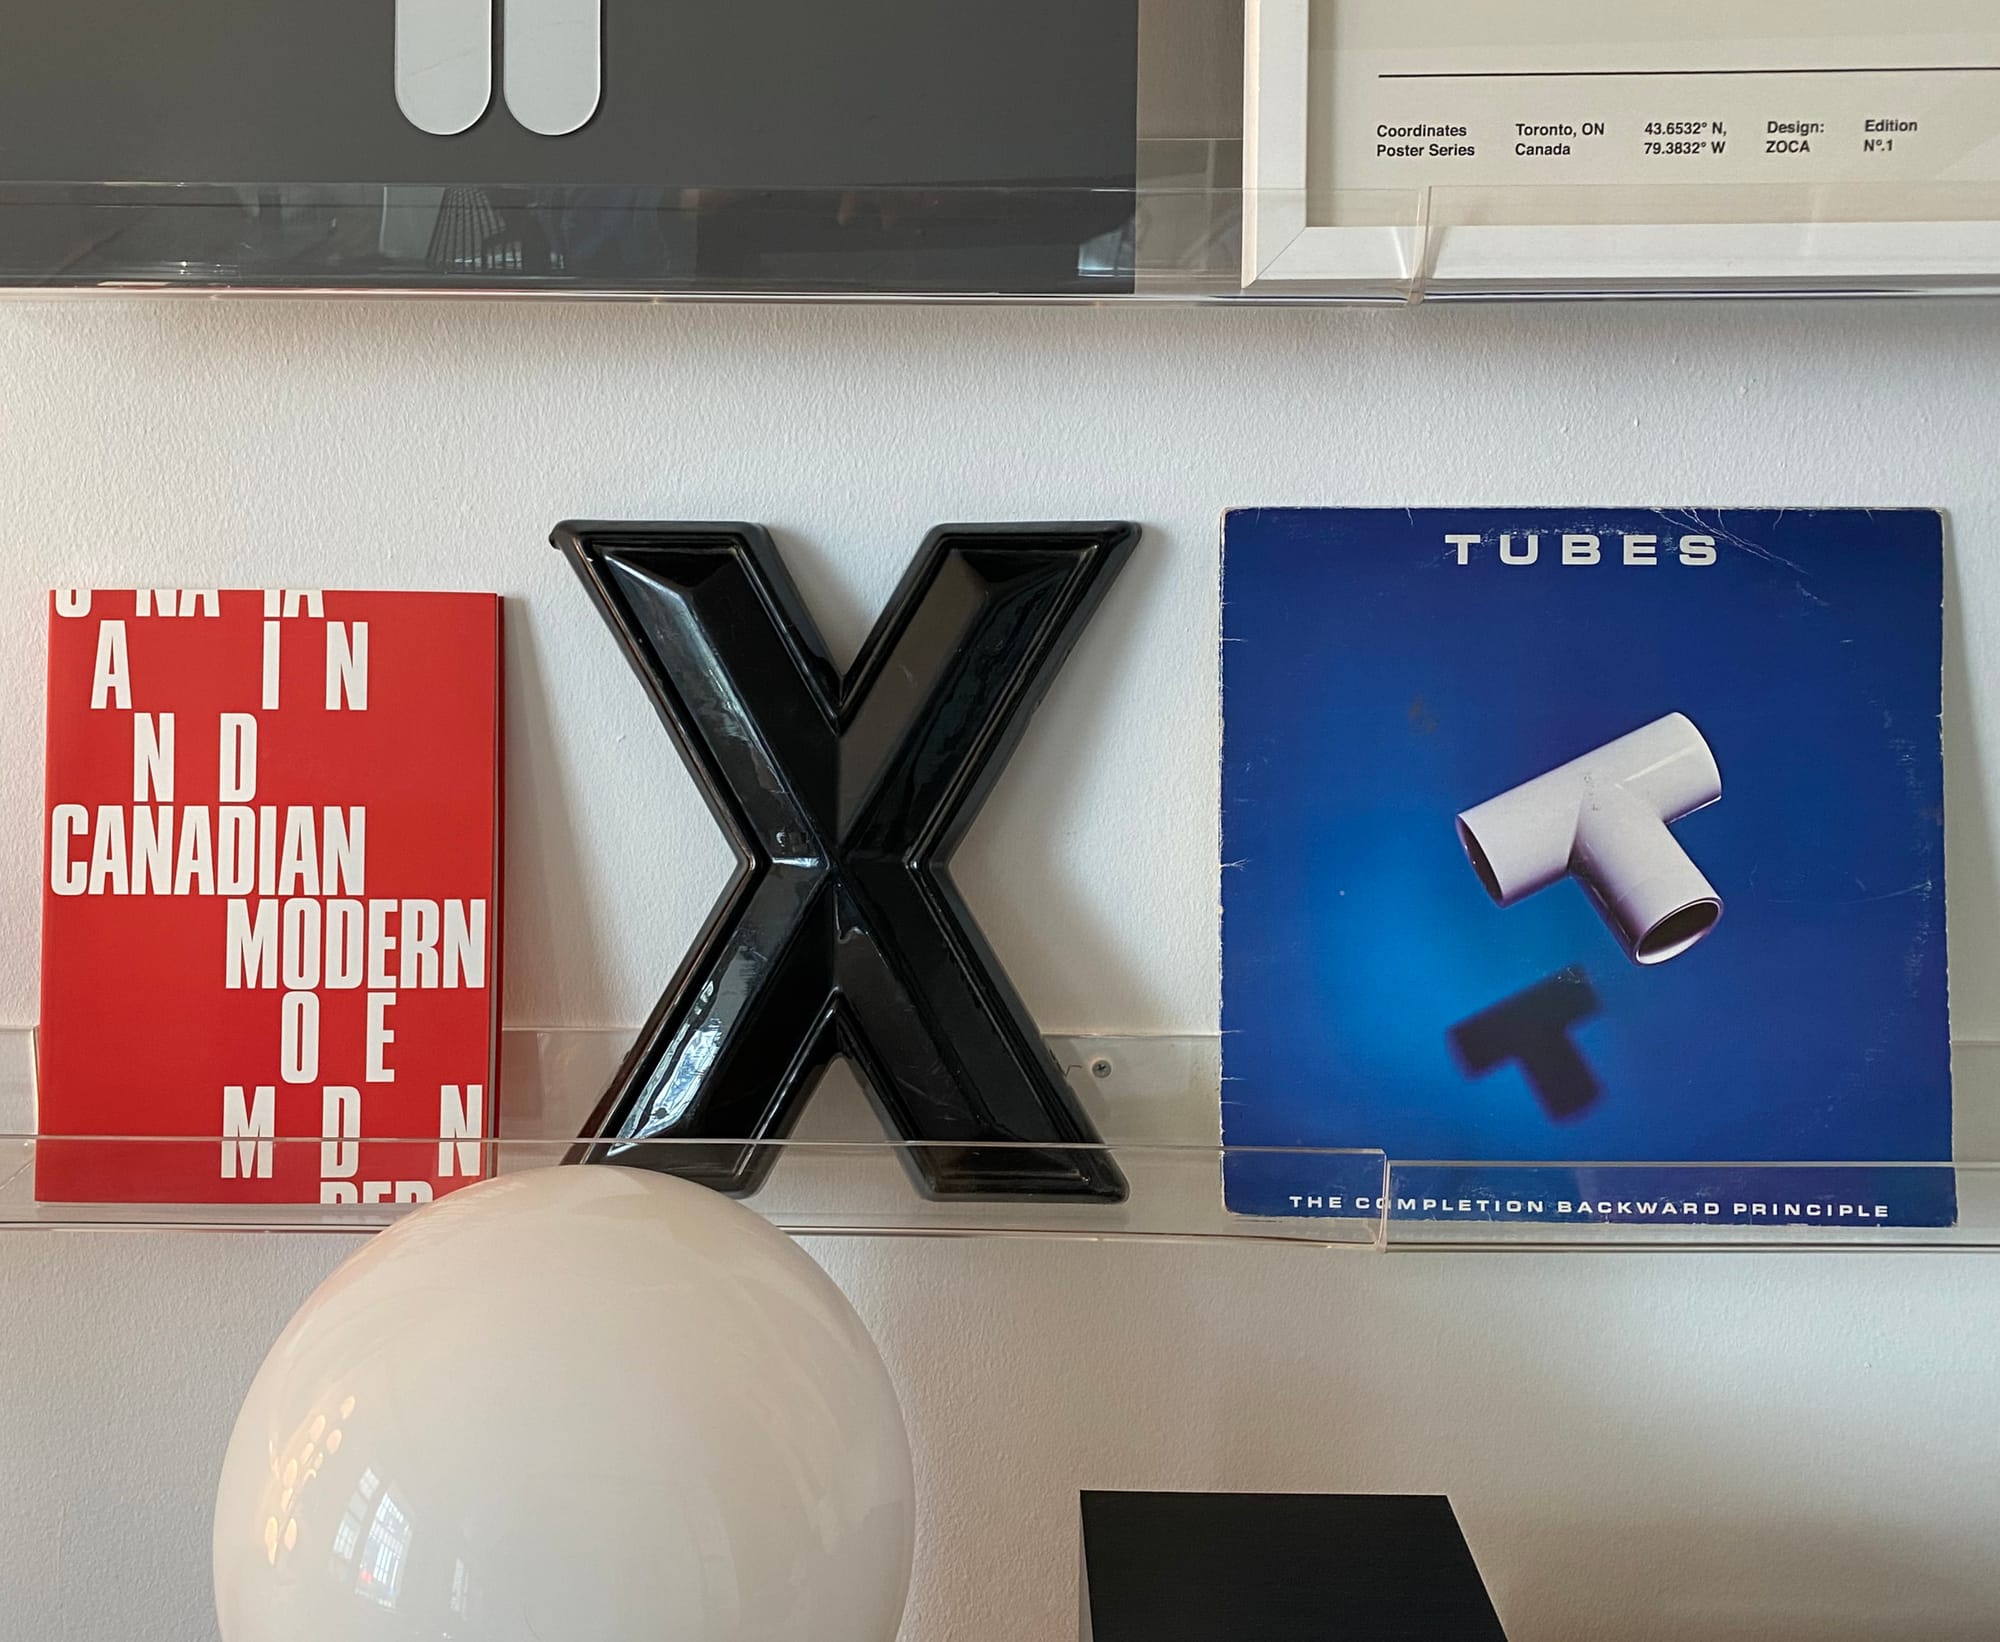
<point>844,798</point>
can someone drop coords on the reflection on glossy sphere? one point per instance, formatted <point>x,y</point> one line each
<point>588,1404</point>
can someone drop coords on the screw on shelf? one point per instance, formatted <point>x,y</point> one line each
<point>1101,1067</point>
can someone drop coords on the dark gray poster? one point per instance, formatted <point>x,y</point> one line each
<point>949,144</point>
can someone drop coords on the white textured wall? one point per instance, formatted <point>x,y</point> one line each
<point>1730,1447</point>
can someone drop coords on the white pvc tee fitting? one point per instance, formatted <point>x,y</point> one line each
<point>1602,819</point>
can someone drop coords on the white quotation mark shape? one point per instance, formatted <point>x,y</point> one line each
<point>554,63</point>
<point>444,63</point>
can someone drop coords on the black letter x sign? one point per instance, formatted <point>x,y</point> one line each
<point>844,797</point>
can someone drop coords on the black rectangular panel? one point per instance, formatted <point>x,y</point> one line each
<point>1280,1568</point>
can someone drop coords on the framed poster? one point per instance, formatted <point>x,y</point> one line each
<point>1496,145</point>
<point>598,146</point>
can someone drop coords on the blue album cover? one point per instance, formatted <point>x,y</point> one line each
<point>1590,839</point>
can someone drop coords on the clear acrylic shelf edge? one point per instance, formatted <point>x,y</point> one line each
<point>1178,236</point>
<point>1155,1100</point>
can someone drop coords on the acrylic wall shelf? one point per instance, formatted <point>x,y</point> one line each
<point>1182,237</point>
<point>1155,1101</point>
<point>1052,150</point>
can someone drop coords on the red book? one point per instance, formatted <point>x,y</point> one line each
<point>271,897</point>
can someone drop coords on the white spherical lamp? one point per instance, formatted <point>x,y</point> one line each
<point>586,1403</point>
